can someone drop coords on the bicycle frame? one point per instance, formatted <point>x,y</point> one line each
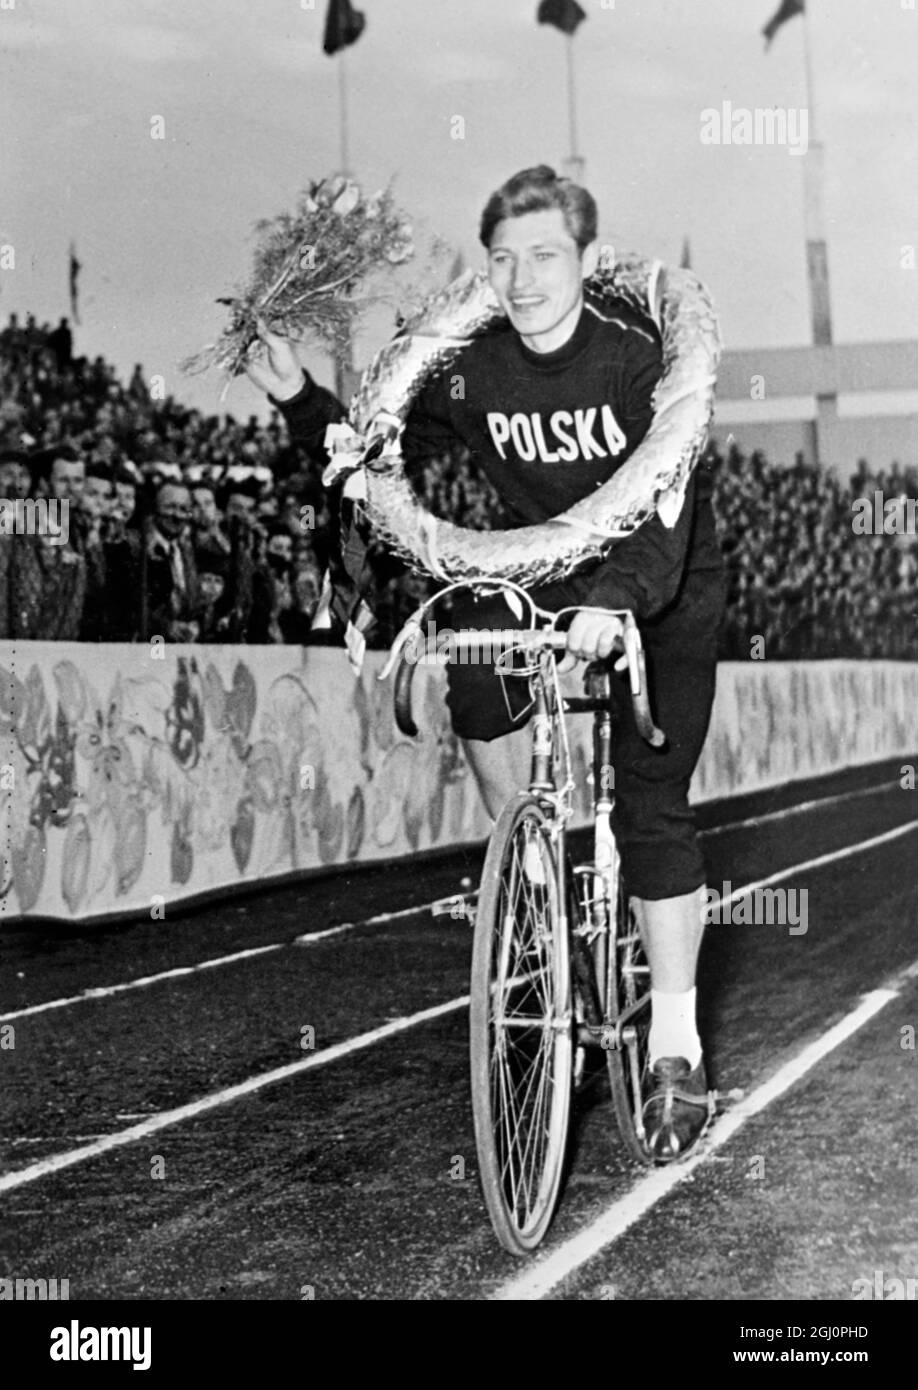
<point>590,933</point>
<point>549,732</point>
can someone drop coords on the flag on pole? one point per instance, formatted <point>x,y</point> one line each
<point>686,262</point>
<point>563,14</point>
<point>343,25</point>
<point>75,268</point>
<point>785,11</point>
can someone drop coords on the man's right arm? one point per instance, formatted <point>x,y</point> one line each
<point>307,407</point>
<point>428,428</point>
<point>308,413</point>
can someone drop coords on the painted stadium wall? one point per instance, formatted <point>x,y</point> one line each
<point>129,781</point>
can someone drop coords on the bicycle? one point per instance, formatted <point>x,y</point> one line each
<point>558,966</point>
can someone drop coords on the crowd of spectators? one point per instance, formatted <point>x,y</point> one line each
<point>203,528</point>
<point>188,526</point>
<point>801,575</point>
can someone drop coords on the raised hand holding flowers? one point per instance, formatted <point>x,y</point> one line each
<point>308,268</point>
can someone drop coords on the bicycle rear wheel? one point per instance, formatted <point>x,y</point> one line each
<point>627,1033</point>
<point>521,1027</point>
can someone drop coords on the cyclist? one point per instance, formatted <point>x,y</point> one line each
<point>553,403</point>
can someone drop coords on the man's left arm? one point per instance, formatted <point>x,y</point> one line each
<point>644,570</point>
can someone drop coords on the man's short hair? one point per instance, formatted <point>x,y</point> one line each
<point>42,460</point>
<point>240,480</point>
<point>128,474</point>
<point>538,190</point>
<point>52,453</point>
<point>161,485</point>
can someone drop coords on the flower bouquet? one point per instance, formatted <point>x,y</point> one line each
<point>307,269</point>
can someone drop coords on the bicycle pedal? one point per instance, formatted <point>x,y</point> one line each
<point>722,1100</point>
<point>590,1034</point>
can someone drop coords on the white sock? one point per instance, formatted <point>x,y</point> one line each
<point>672,1027</point>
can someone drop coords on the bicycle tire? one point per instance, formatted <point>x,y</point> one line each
<point>521,1028</point>
<point>627,1044</point>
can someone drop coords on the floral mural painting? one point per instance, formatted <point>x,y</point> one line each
<point>126,780</point>
<point>39,780</point>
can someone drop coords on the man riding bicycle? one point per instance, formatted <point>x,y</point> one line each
<point>552,405</point>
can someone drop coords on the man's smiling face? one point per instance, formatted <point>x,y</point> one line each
<point>536,270</point>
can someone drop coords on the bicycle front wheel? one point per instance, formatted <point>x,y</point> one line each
<point>521,1027</point>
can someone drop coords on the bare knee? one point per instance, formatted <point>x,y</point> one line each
<point>499,767</point>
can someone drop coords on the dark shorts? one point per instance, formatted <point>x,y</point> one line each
<point>653,822</point>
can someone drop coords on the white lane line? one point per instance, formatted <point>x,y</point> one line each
<point>821,859</point>
<point>547,1273</point>
<point>194,1108</point>
<point>104,991</point>
<point>798,808</point>
<point>170,1117</point>
<point>142,981</point>
<point>309,937</point>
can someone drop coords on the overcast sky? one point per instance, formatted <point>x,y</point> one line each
<point>250,104</point>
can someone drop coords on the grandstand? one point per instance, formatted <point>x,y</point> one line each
<point>800,577</point>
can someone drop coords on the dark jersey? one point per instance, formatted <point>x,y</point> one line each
<point>548,429</point>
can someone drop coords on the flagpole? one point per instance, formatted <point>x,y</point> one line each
<point>342,111</point>
<point>817,256</point>
<point>808,64</point>
<point>574,164</point>
<point>344,358</point>
<point>571,98</point>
